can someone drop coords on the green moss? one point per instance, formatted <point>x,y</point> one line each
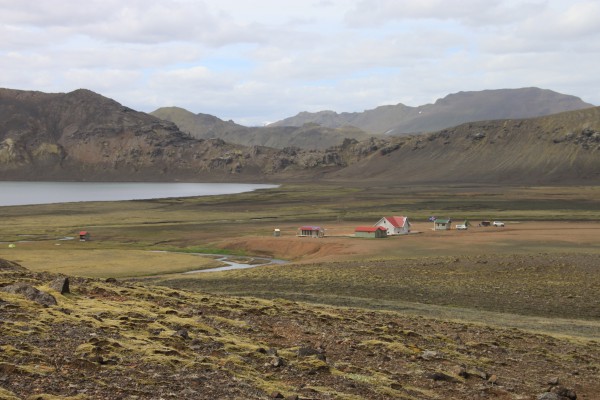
<point>393,346</point>
<point>8,395</point>
<point>53,397</point>
<point>26,369</point>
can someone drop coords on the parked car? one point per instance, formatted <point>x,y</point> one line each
<point>461,227</point>
<point>498,223</point>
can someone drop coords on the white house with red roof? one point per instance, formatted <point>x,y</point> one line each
<point>395,225</point>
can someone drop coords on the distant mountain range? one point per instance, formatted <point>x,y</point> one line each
<point>306,136</point>
<point>450,111</point>
<point>84,136</point>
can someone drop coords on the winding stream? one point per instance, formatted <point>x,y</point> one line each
<point>232,264</point>
<point>236,265</point>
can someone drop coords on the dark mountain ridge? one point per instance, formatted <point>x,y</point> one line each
<point>562,148</point>
<point>84,136</point>
<point>450,111</point>
<point>307,136</point>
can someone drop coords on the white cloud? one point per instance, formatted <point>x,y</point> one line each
<point>269,59</point>
<point>468,12</point>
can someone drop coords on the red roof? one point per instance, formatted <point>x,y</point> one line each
<point>397,222</point>
<point>310,228</point>
<point>369,228</point>
<point>83,233</point>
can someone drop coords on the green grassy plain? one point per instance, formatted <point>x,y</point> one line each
<point>116,263</point>
<point>182,222</point>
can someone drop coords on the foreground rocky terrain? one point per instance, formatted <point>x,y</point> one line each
<point>109,339</point>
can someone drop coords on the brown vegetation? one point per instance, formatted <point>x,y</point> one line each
<point>116,340</point>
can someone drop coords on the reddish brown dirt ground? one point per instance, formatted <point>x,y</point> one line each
<point>339,243</point>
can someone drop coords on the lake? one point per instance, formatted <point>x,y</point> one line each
<point>25,193</point>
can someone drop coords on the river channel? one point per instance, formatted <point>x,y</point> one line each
<point>231,265</point>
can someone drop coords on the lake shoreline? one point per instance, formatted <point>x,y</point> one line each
<point>23,193</point>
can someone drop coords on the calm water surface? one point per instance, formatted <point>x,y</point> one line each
<point>22,193</point>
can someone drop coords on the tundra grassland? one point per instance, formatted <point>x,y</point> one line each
<point>498,313</point>
<point>540,272</point>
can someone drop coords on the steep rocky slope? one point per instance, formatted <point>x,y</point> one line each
<point>452,110</point>
<point>562,148</point>
<point>82,135</point>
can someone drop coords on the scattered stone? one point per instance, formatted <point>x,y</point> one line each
<point>11,266</point>
<point>587,132</point>
<point>111,280</point>
<point>84,364</point>
<point>460,371</point>
<point>277,362</point>
<point>97,359</point>
<point>61,285</point>
<point>182,333</point>
<point>477,372</point>
<point>292,397</point>
<point>309,351</point>
<point>308,391</point>
<point>564,392</point>
<point>553,381</point>
<point>440,376</point>
<point>429,355</point>
<point>396,386</point>
<point>549,396</point>
<point>31,293</point>
<point>188,393</point>
<point>276,395</point>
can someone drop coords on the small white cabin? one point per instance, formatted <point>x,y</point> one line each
<point>311,231</point>
<point>442,224</point>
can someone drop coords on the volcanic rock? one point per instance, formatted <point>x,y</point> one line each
<point>31,293</point>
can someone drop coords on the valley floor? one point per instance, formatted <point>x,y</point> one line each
<point>500,313</point>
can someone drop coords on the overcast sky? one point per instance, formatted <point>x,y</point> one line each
<point>263,60</point>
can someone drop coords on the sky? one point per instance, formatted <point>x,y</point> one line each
<point>256,62</point>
